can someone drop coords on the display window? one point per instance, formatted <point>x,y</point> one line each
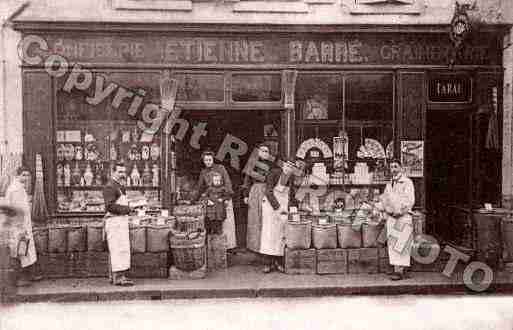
<point>92,136</point>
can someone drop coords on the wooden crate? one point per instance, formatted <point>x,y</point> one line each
<point>362,261</point>
<point>149,265</point>
<point>300,261</point>
<point>57,239</point>
<point>41,239</point>
<point>216,252</point>
<point>331,261</point>
<point>56,265</point>
<point>97,264</point>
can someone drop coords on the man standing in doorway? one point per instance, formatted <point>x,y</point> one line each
<point>116,226</point>
<point>398,200</point>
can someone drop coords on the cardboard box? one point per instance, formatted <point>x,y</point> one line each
<point>300,261</point>
<point>331,261</point>
<point>362,261</point>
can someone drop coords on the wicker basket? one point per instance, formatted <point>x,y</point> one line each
<point>95,242</point>
<point>370,234</point>
<point>324,236</point>
<point>57,239</point>
<point>157,238</point>
<point>188,250</point>
<point>41,239</point>
<point>77,240</point>
<point>298,235</point>
<point>349,236</point>
<point>188,223</point>
<point>137,236</point>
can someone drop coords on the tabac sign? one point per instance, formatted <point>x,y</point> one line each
<point>291,49</point>
<point>450,88</point>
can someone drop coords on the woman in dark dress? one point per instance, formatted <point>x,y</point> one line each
<point>208,178</point>
<point>267,202</point>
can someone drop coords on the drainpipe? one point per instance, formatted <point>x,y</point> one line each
<point>3,113</point>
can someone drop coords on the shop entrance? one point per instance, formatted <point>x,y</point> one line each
<point>448,165</point>
<point>250,126</point>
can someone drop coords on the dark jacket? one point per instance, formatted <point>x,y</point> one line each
<point>272,180</point>
<point>111,192</point>
<point>250,180</point>
<point>205,180</point>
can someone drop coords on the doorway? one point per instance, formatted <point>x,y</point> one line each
<point>250,126</point>
<point>448,166</point>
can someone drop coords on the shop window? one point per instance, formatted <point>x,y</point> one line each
<point>91,136</point>
<point>200,87</point>
<point>318,97</point>
<point>256,87</point>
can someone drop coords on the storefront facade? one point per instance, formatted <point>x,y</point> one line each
<point>392,94</point>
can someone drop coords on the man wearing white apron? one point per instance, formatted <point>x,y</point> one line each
<point>116,226</point>
<point>398,200</point>
<point>21,242</point>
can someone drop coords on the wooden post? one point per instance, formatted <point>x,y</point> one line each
<point>507,182</point>
<point>288,82</point>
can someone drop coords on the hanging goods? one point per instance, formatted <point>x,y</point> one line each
<point>39,207</point>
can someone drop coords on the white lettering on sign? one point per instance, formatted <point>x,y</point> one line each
<point>449,89</point>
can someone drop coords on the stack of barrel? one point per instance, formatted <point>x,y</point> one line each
<point>187,242</point>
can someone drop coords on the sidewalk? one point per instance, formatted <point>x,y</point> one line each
<point>249,281</point>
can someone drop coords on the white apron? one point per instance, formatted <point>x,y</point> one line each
<point>229,226</point>
<point>118,241</point>
<point>398,256</point>
<point>273,226</point>
<point>16,196</point>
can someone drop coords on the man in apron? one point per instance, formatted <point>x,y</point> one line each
<point>116,226</point>
<point>398,200</point>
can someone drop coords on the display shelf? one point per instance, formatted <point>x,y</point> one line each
<point>101,188</point>
<point>358,185</point>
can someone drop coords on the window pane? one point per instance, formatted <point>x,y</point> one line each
<point>318,97</point>
<point>252,88</point>
<point>200,87</point>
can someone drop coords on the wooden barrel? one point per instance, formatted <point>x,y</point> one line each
<point>488,244</point>
<point>298,235</point>
<point>370,234</point>
<point>349,236</point>
<point>157,238</point>
<point>324,236</point>
<point>191,210</point>
<point>189,223</point>
<point>188,250</point>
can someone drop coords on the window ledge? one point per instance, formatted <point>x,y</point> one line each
<point>385,7</point>
<point>177,5</point>
<point>271,6</point>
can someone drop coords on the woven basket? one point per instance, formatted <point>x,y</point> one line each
<point>298,235</point>
<point>324,236</point>
<point>137,236</point>
<point>77,239</point>
<point>95,242</point>
<point>188,223</point>
<point>189,252</point>
<point>349,236</point>
<point>41,239</point>
<point>157,238</point>
<point>370,234</point>
<point>57,239</point>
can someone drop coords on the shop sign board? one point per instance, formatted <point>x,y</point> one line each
<point>450,89</point>
<point>286,49</point>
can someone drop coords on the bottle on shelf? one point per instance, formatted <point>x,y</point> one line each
<point>76,175</point>
<point>88,175</point>
<point>147,176</point>
<point>60,172</point>
<point>155,179</point>
<point>67,175</point>
<point>135,176</point>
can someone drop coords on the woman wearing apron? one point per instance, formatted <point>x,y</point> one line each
<point>266,203</point>
<point>206,182</point>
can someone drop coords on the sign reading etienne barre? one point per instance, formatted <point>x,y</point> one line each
<point>345,49</point>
